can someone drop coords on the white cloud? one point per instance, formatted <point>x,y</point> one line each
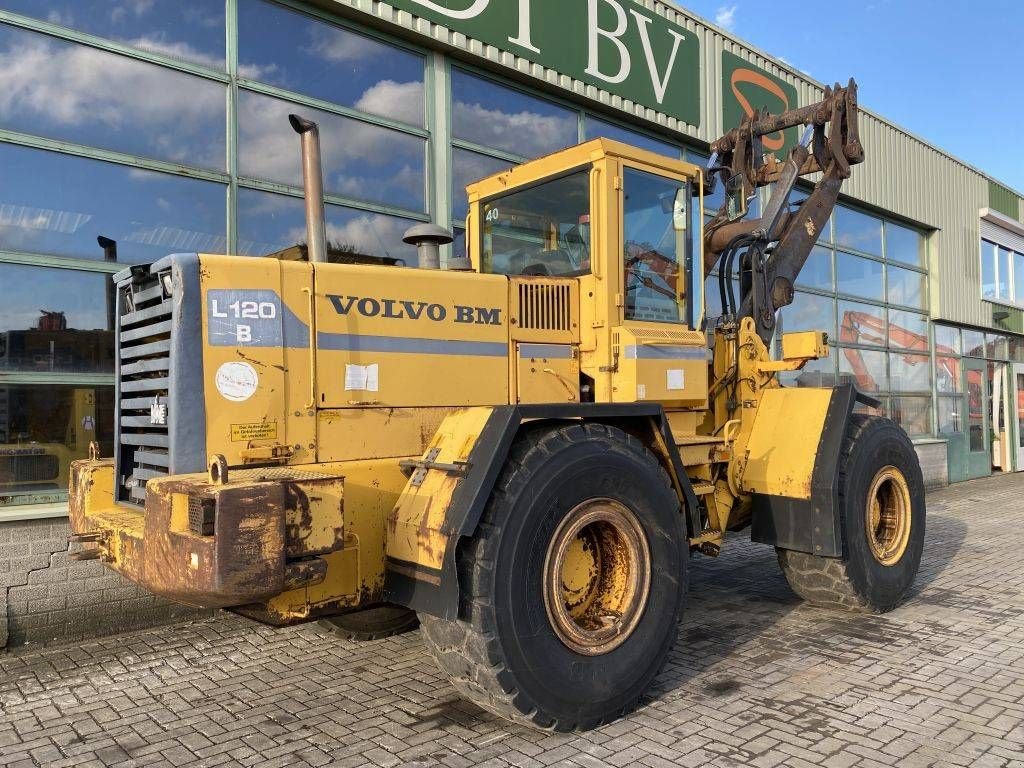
<point>338,45</point>
<point>531,134</point>
<point>78,86</point>
<point>370,233</point>
<point>401,101</point>
<point>135,7</point>
<point>725,16</point>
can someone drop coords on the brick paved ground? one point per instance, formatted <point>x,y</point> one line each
<point>756,678</point>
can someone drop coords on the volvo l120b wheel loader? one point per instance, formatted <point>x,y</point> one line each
<point>523,449</point>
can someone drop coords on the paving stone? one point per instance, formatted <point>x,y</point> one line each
<point>757,678</point>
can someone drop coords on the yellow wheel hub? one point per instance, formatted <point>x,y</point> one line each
<point>597,576</point>
<point>888,515</point>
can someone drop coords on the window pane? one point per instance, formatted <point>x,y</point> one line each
<point>595,128</point>
<point>540,230</point>
<point>42,430</point>
<point>809,312</point>
<point>907,287</point>
<point>997,346</point>
<point>910,373</point>
<point>974,343</point>
<point>495,116</point>
<point>988,270</point>
<point>947,339</point>
<point>1004,256</point>
<point>1018,277</point>
<point>817,272</point>
<point>862,324</point>
<point>863,367</point>
<point>192,31</point>
<point>860,277</point>
<point>655,282</point>
<point>59,204</point>
<point>904,244</point>
<point>268,223</point>
<point>817,373</point>
<point>361,161</point>
<point>73,92</point>
<point>914,414</point>
<point>468,167</point>
<point>1017,349</point>
<point>908,330</point>
<point>56,320</point>
<point>947,373</point>
<point>858,231</point>
<point>310,56</point>
<point>951,421</point>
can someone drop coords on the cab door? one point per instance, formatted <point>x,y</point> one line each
<point>661,354</point>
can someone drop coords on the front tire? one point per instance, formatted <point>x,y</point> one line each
<point>882,521</point>
<point>572,585</point>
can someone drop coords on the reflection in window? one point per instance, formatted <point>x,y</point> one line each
<point>59,204</point>
<point>858,276</point>
<point>947,339</point>
<point>974,343</point>
<point>360,161</point>
<point>908,330</point>
<point>816,373</point>
<point>817,271</point>
<point>192,31</point>
<point>541,230</point>
<point>42,430</point>
<point>988,270</point>
<point>56,320</point>
<point>904,244</point>
<point>268,223</point>
<point>810,312</point>
<point>951,421</point>
<point>914,414</point>
<point>907,287</point>
<point>502,118</point>
<point>85,95</point>
<point>313,57</point>
<point>861,324</point>
<point>468,167</point>
<point>655,280</point>
<point>863,367</point>
<point>909,373</point>
<point>595,129</point>
<point>858,231</point>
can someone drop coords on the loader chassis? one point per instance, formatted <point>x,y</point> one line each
<point>525,450</point>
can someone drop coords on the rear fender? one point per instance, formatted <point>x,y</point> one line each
<point>449,486</point>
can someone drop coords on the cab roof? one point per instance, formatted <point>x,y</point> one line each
<point>570,158</point>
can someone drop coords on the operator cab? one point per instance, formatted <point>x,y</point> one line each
<point>537,220</point>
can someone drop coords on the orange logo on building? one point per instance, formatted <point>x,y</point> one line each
<point>773,142</point>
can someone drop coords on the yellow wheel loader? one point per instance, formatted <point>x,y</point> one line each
<point>522,449</point>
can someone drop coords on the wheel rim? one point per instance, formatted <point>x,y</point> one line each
<point>887,517</point>
<point>597,576</point>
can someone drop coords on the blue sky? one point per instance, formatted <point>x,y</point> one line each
<point>950,71</point>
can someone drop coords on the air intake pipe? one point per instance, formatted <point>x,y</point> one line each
<point>313,185</point>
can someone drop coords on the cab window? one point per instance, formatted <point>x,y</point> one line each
<point>654,247</point>
<point>540,230</point>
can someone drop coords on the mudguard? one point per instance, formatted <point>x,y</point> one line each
<point>807,517</point>
<point>449,486</point>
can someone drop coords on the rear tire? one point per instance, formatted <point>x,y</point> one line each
<point>882,521</point>
<point>557,629</point>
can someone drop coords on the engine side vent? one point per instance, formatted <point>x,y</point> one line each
<point>545,306</point>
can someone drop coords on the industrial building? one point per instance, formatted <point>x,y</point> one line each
<point>130,130</point>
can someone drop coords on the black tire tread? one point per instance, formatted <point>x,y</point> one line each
<point>467,649</point>
<point>825,581</point>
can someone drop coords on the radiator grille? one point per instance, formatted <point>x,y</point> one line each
<point>144,343</point>
<point>545,306</point>
<point>201,515</point>
<point>29,469</point>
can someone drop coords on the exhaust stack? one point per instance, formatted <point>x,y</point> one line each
<point>313,185</point>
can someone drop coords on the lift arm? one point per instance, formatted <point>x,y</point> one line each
<point>772,250</point>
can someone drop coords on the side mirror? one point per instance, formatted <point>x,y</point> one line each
<point>735,199</point>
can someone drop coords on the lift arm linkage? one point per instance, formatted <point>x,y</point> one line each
<point>777,245</point>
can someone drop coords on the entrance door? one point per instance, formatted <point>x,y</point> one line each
<point>979,444</point>
<point>1018,409</point>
